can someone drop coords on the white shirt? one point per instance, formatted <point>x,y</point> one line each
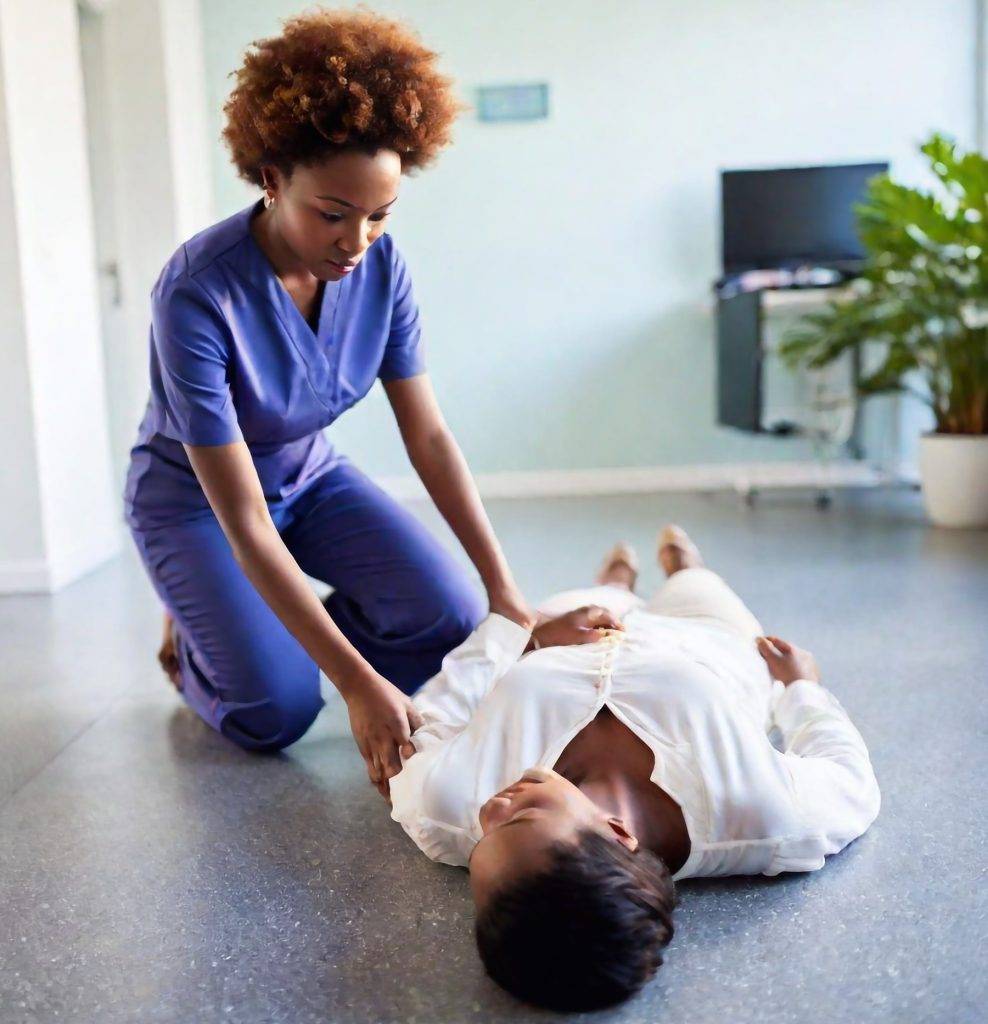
<point>697,694</point>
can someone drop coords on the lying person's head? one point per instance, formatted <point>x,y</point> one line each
<point>571,915</point>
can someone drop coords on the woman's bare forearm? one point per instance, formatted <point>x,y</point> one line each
<point>233,489</point>
<point>444,472</point>
<point>441,467</point>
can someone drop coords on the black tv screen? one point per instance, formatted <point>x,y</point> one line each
<point>792,216</point>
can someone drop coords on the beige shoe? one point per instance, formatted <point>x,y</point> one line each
<point>621,554</point>
<point>676,550</point>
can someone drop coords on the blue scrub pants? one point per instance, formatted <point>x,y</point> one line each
<point>399,598</point>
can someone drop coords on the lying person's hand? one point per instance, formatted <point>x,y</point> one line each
<point>786,661</point>
<point>584,626</point>
<point>382,720</point>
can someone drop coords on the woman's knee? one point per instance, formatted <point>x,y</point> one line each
<point>279,717</point>
<point>466,606</point>
<point>448,609</point>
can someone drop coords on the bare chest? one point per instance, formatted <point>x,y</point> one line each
<point>607,746</point>
<point>606,742</point>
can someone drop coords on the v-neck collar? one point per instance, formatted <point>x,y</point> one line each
<point>257,268</point>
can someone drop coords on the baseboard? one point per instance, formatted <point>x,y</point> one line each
<point>905,473</point>
<point>35,576</point>
<point>743,477</point>
<point>39,576</point>
<point>30,576</point>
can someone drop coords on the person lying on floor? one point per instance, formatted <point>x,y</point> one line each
<point>583,766</point>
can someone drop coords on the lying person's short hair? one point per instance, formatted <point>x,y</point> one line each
<point>584,934</point>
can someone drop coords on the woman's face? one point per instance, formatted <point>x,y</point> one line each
<point>329,214</point>
<point>522,822</point>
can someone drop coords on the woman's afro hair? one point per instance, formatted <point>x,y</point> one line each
<point>337,80</point>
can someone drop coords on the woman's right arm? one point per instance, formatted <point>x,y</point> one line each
<point>381,716</point>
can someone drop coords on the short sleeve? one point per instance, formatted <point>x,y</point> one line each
<point>189,373</point>
<point>403,356</point>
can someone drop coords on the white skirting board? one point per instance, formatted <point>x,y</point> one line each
<point>39,576</point>
<point>742,477</point>
<point>25,577</point>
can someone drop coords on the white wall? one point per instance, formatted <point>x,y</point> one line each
<point>61,520</point>
<point>21,535</point>
<point>188,122</point>
<point>150,154</point>
<point>146,93</point>
<point>62,379</point>
<point>563,267</point>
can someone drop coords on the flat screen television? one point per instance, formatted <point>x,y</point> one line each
<point>792,216</point>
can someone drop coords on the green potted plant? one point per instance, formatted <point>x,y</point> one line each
<point>920,311</point>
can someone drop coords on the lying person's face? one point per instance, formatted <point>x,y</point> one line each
<point>521,824</point>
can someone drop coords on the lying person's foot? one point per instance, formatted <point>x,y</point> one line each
<point>676,550</point>
<point>168,655</point>
<point>620,567</point>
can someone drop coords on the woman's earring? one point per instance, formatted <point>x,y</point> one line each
<point>268,200</point>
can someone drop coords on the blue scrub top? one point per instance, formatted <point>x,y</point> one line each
<point>233,358</point>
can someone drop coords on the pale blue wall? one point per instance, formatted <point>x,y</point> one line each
<point>542,357</point>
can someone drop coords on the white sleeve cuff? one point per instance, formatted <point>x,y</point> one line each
<point>803,694</point>
<point>506,636</point>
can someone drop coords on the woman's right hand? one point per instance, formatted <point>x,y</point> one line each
<point>382,720</point>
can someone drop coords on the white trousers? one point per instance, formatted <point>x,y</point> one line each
<point>696,593</point>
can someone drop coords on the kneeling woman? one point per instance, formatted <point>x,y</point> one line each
<point>265,328</point>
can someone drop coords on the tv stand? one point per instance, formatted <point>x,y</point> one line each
<point>741,354</point>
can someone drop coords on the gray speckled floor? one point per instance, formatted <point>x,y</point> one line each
<point>151,872</point>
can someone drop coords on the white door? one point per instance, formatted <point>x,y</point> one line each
<point>123,428</point>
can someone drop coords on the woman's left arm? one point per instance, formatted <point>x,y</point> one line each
<point>440,464</point>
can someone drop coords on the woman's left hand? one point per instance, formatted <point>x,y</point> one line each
<point>511,603</point>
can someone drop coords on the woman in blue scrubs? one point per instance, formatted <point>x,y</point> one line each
<point>265,328</point>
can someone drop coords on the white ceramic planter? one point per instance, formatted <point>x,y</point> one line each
<point>954,470</point>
